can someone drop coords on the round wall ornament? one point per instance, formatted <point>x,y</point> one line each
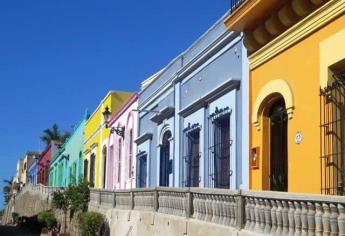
<point>298,137</point>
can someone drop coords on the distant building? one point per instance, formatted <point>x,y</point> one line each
<point>66,164</point>
<point>16,183</point>
<point>43,163</point>
<point>28,160</point>
<point>33,171</point>
<point>119,152</point>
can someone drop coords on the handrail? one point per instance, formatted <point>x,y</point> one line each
<point>261,212</point>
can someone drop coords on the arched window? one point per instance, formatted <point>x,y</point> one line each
<point>119,161</point>
<point>165,164</point>
<point>92,170</point>
<point>130,156</point>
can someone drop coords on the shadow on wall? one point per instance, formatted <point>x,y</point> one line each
<point>105,230</point>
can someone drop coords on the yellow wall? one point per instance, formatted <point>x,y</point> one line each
<point>96,133</point>
<point>299,66</point>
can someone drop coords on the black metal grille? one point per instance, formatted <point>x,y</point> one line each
<point>234,4</point>
<point>141,177</point>
<point>332,136</point>
<point>220,152</point>
<point>192,156</point>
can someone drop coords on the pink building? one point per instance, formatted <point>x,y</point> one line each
<point>121,148</point>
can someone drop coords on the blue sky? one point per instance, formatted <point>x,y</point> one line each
<point>59,57</point>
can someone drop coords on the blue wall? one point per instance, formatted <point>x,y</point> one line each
<point>212,73</point>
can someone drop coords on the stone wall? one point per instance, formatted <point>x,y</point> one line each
<point>141,223</point>
<point>33,200</point>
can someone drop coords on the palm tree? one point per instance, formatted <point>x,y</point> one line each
<point>54,135</point>
<point>7,190</point>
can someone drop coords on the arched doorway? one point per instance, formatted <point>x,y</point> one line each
<point>278,152</point>
<point>165,165</point>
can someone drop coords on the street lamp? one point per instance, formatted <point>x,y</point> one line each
<point>118,130</point>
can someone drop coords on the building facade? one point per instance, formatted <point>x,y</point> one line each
<point>33,171</point>
<point>66,166</point>
<point>43,164</point>
<point>96,136</point>
<point>193,117</point>
<point>121,148</point>
<point>28,160</point>
<point>296,57</point>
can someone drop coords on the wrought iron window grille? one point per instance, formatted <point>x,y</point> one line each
<point>219,112</point>
<point>332,136</point>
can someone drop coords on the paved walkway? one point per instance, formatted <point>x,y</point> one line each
<point>15,231</point>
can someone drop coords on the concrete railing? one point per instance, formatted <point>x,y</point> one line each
<point>294,214</point>
<point>39,189</point>
<point>258,212</point>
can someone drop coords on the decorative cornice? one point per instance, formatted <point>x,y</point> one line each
<point>165,113</point>
<point>143,138</point>
<point>210,97</point>
<point>302,29</point>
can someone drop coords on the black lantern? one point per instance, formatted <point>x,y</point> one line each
<point>119,131</point>
<point>106,114</point>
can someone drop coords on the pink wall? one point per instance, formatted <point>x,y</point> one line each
<point>121,157</point>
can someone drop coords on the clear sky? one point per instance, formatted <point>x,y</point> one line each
<point>59,57</point>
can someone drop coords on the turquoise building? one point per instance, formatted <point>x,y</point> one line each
<point>66,165</point>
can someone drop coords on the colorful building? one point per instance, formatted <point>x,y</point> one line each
<point>66,165</point>
<point>96,136</point>
<point>43,164</point>
<point>28,160</point>
<point>121,148</point>
<point>296,56</point>
<point>194,115</point>
<point>33,171</point>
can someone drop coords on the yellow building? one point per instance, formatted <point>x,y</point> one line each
<point>96,135</point>
<point>297,93</point>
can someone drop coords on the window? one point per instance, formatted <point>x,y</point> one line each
<point>165,162</point>
<point>219,162</point>
<point>92,170</point>
<point>142,175</point>
<point>86,169</point>
<point>130,156</point>
<point>119,162</point>
<point>332,132</point>
<point>192,156</point>
<point>104,152</point>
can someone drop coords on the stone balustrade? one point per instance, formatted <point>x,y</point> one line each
<point>124,200</point>
<point>259,212</point>
<point>293,214</point>
<point>216,205</point>
<point>39,189</point>
<point>144,199</point>
<point>173,201</point>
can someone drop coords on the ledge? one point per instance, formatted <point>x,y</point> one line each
<point>143,138</point>
<point>165,113</point>
<point>226,87</point>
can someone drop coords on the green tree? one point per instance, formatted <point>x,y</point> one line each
<point>48,218</point>
<point>61,202</point>
<point>54,134</point>
<point>73,198</point>
<point>90,223</point>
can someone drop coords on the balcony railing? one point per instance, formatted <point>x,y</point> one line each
<point>260,212</point>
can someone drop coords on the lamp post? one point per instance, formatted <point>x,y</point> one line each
<point>118,130</point>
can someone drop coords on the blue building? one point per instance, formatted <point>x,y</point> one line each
<point>194,116</point>
<point>32,171</point>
